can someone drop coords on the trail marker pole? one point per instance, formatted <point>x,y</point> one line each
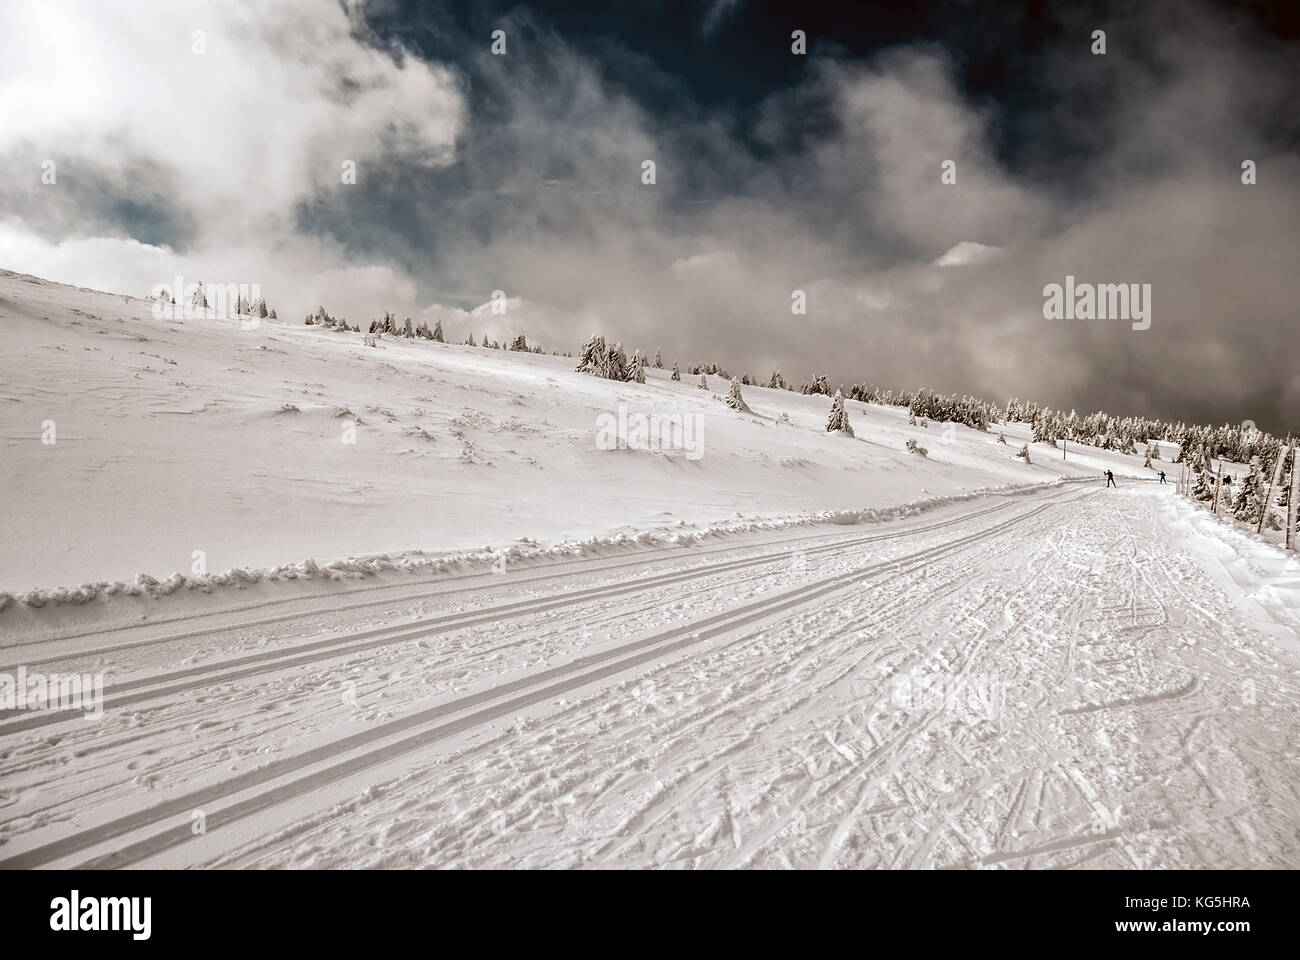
<point>1218,488</point>
<point>1291,500</point>
<point>1274,478</point>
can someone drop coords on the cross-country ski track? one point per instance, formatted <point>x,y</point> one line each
<point>1045,679</point>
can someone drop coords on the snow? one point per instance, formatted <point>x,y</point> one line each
<point>801,650</point>
<point>181,436</point>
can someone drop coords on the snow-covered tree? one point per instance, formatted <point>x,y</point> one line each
<point>1002,438</point>
<point>703,384</point>
<point>838,421</point>
<point>437,333</point>
<point>914,447</point>
<point>1024,454</point>
<point>1284,494</point>
<point>659,360</point>
<point>820,384</point>
<point>615,365</point>
<point>734,400</point>
<point>1202,489</point>
<point>1249,504</point>
<point>591,359</point>
<point>636,369</point>
<point>677,374</point>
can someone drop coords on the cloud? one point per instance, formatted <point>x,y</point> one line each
<point>967,252</point>
<point>717,14</point>
<point>219,121</point>
<point>523,173</point>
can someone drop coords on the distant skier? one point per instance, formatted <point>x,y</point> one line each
<point>1110,479</point>
<point>1162,476</point>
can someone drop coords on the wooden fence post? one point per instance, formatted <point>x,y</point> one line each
<point>1291,500</point>
<point>1274,478</point>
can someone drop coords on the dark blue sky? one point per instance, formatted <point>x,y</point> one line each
<point>672,56</point>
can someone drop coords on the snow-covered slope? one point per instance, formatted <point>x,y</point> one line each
<point>175,437</point>
<point>806,650</point>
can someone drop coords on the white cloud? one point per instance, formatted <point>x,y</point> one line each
<point>235,137</point>
<point>967,252</point>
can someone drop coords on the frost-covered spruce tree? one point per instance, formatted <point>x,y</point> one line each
<point>1250,501</point>
<point>1153,451</point>
<point>520,344</point>
<point>1024,454</point>
<point>734,400</point>
<point>591,359</point>
<point>677,374</point>
<point>199,301</point>
<point>914,447</point>
<point>703,384</point>
<point>437,333</point>
<point>659,359</point>
<point>1202,490</point>
<point>1284,494</point>
<point>636,369</point>
<point>838,421</point>
<point>616,365</point>
<point>776,381</point>
<point>1147,461</point>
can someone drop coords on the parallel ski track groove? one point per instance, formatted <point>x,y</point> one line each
<point>225,671</point>
<point>566,677</point>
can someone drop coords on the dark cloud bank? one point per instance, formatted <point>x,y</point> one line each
<point>523,173</point>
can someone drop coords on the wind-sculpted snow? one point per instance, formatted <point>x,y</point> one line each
<point>136,443</point>
<point>358,568</point>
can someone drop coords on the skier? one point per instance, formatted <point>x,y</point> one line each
<point>1110,479</point>
<point>1162,476</point>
